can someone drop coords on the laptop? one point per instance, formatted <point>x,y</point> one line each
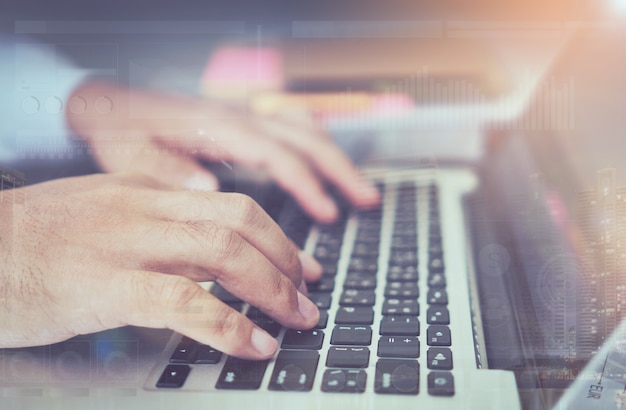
<point>494,284</point>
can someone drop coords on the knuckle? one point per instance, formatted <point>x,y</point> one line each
<point>178,293</point>
<point>228,325</point>
<point>248,212</point>
<point>224,243</point>
<point>281,291</point>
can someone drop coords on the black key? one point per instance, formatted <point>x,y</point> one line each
<point>303,339</point>
<point>363,264</point>
<point>408,307</point>
<point>263,321</point>
<point>405,230</point>
<point>396,377</point>
<point>351,357</point>
<point>185,352</point>
<point>368,229</point>
<point>351,335</point>
<point>372,225</point>
<point>402,274</point>
<point>406,206</point>
<point>325,253</point>
<point>436,280</point>
<point>403,258</point>
<point>329,232</point>
<point>222,294</point>
<point>238,306</point>
<point>366,237</point>
<point>402,269</point>
<point>323,285</point>
<point>241,374</point>
<point>360,281</point>
<point>354,315</point>
<point>441,384</point>
<point>435,249</point>
<point>398,346</point>
<point>435,265</point>
<point>197,353</point>
<point>321,300</point>
<point>365,249</point>
<point>437,335</point>
<point>437,297</point>
<point>329,270</point>
<point>354,297</point>
<point>371,214</point>
<point>400,325</point>
<point>294,371</point>
<point>401,243</point>
<point>330,240</point>
<point>344,381</point>
<point>173,376</point>
<point>401,290</point>
<point>207,355</point>
<point>438,315</point>
<point>336,229</point>
<point>439,358</point>
<point>323,322</point>
<point>434,237</point>
<point>405,216</point>
<point>269,325</point>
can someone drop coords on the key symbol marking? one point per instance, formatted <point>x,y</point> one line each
<point>440,381</point>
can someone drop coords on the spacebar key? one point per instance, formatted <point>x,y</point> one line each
<point>240,374</point>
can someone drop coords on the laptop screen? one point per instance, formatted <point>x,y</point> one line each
<point>557,184</point>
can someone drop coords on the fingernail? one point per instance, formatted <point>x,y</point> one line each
<point>307,309</point>
<point>201,182</point>
<point>263,342</point>
<point>309,265</point>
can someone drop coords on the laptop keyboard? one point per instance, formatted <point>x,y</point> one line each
<point>371,326</point>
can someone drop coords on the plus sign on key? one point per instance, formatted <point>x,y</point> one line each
<point>398,346</point>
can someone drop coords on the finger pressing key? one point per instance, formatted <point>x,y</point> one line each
<point>165,301</point>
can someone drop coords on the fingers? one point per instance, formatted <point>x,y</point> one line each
<point>326,158</point>
<point>176,170</point>
<point>297,178</point>
<point>295,157</point>
<point>311,269</point>
<point>238,266</point>
<point>164,301</point>
<point>287,168</point>
<point>199,214</point>
<point>230,239</point>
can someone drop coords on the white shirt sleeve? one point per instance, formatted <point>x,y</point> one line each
<point>35,85</point>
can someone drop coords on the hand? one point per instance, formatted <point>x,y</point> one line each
<point>86,254</point>
<point>166,136</point>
